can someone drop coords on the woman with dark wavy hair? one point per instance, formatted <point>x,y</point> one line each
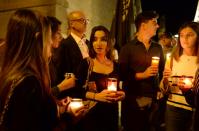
<point>104,115</point>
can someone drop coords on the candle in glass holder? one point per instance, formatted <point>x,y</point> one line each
<point>76,103</point>
<point>112,84</point>
<point>155,61</point>
<point>188,81</point>
<point>68,75</point>
<point>168,61</point>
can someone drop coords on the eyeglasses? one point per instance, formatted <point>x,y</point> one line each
<point>82,20</point>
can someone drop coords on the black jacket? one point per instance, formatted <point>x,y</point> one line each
<point>68,61</point>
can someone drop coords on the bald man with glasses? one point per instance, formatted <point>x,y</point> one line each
<point>73,49</point>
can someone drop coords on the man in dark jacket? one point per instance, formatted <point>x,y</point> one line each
<point>74,48</point>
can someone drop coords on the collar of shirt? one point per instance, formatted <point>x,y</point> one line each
<point>77,39</point>
<point>152,43</point>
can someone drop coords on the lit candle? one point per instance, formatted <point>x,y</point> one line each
<point>75,103</point>
<point>168,61</point>
<point>112,84</point>
<point>187,81</point>
<point>155,61</point>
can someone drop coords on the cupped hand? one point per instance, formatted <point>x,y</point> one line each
<point>120,95</point>
<point>106,96</point>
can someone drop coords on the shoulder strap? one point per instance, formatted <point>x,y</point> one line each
<point>90,69</point>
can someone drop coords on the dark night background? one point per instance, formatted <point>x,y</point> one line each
<point>176,12</point>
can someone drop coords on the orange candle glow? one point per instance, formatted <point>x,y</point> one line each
<point>188,82</point>
<point>76,103</point>
<point>155,61</point>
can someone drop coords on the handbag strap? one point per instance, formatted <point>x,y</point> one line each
<point>90,68</point>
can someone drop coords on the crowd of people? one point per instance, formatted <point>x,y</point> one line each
<point>42,73</point>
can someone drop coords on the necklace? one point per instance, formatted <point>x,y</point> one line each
<point>105,61</point>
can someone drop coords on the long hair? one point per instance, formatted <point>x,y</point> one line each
<point>25,50</point>
<point>92,52</point>
<point>54,23</point>
<point>178,50</point>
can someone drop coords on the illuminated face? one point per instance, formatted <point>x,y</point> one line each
<point>57,38</point>
<point>100,43</point>
<point>188,38</point>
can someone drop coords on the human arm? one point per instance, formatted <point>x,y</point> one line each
<point>150,71</point>
<point>106,96</point>
<point>67,83</point>
<point>164,83</point>
<point>64,85</point>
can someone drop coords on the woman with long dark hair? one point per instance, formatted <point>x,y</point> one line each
<point>26,103</point>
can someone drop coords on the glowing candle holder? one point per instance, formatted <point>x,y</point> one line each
<point>168,61</point>
<point>76,103</point>
<point>188,81</point>
<point>112,84</point>
<point>68,75</point>
<point>155,61</point>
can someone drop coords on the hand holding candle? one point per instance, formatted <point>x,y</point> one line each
<point>188,82</point>
<point>185,83</point>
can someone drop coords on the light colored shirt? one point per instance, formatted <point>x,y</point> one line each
<point>187,66</point>
<point>81,42</point>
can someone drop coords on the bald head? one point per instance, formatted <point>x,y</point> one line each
<point>76,15</point>
<point>77,22</point>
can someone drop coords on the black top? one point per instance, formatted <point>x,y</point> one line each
<point>104,116</point>
<point>30,108</point>
<point>135,58</point>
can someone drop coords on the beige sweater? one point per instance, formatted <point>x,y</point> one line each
<point>186,66</point>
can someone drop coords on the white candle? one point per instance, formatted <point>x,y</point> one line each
<point>155,61</point>
<point>112,84</point>
<point>76,103</point>
<point>168,61</point>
